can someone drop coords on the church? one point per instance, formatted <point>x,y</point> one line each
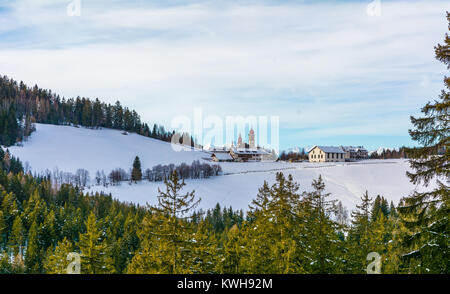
<point>242,152</point>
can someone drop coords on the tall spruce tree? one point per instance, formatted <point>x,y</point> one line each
<point>275,229</point>
<point>425,215</point>
<point>321,232</point>
<point>93,249</point>
<point>166,235</point>
<point>358,237</point>
<point>136,173</point>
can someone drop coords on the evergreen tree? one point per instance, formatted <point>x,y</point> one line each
<point>232,252</point>
<point>3,229</point>
<point>426,215</point>
<point>34,252</point>
<point>57,261</point>
<point>136,173</point>
<point>358,237</point>
<point>93,248</point>
<point>166,235</point>
<point>323,245</point>
<point>275,229</point>
<point>17,238</point>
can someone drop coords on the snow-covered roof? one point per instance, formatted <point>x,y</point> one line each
<point>250,151</point>
<point>329,149</point>
<point>222,156</point>
<point>352,148</point>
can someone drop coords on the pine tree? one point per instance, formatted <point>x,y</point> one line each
<point>166,235</point>
<point>426,215</point>
<point>3,229</point>
<point>34,252</point>
<point>93,248</point>
<point>204,250</point>
<point>358,237</point>
<point>322,232</point>
<point>136,173</point>
<point>56,261</point>
<point>232,252</point>
<point>17,238</point>
<point>275,229</point>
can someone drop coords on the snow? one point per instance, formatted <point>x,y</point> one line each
<point>329,149</point>
<point>239,186</point>
<point>71,148</point>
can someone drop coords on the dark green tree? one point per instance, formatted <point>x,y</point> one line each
<point>136,172</point>
<point>425,215</point>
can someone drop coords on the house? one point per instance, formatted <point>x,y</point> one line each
<point>355,153</point>
<point>249,154</point>
<point>222,156</point>
<point>326,154</point>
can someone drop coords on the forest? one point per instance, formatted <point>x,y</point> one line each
<point>22,106</point>
<point>284,231</point>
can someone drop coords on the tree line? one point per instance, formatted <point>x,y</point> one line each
<point>22,106</point>
<point>293,156</point>
<point>81,178</point>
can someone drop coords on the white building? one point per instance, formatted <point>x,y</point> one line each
<point>355,153</point>
<point>326,154</point>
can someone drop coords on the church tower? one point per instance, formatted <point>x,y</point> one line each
<point>240,144</point>
<point>251,139</point>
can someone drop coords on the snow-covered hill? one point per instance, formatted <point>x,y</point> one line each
<point>70,148</point>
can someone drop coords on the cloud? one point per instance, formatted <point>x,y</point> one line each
<point>321,66</point>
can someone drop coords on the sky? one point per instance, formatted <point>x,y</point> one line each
<point>334,72</point>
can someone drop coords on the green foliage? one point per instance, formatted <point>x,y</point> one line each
<point>136,172</point>
<point>425,216</point>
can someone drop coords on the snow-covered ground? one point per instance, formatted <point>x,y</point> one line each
<point>346,182</point>
<point>70,148</point>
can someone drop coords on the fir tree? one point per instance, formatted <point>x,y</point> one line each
<point>136,173</point>
<point>322,239</point>
<point>426,215</point>
<point>358,237</point>
<point>166,235</point>
<point>93,248</point>
<point>56,261</point>
<point>17,238</point>
<point>34,253</point>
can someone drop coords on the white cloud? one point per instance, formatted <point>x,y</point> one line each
<point>331,61</point>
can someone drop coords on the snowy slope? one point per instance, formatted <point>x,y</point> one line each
<point>70,148</point>
<point>346,182</point>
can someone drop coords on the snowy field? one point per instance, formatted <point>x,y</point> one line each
<point>70,148</point>
<point>346,182</point>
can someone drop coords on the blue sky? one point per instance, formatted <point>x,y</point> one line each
<point>332,73</point>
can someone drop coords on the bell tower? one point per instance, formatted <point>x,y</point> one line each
<point>251,138</point>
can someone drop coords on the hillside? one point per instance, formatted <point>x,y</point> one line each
<point>70,148</point>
